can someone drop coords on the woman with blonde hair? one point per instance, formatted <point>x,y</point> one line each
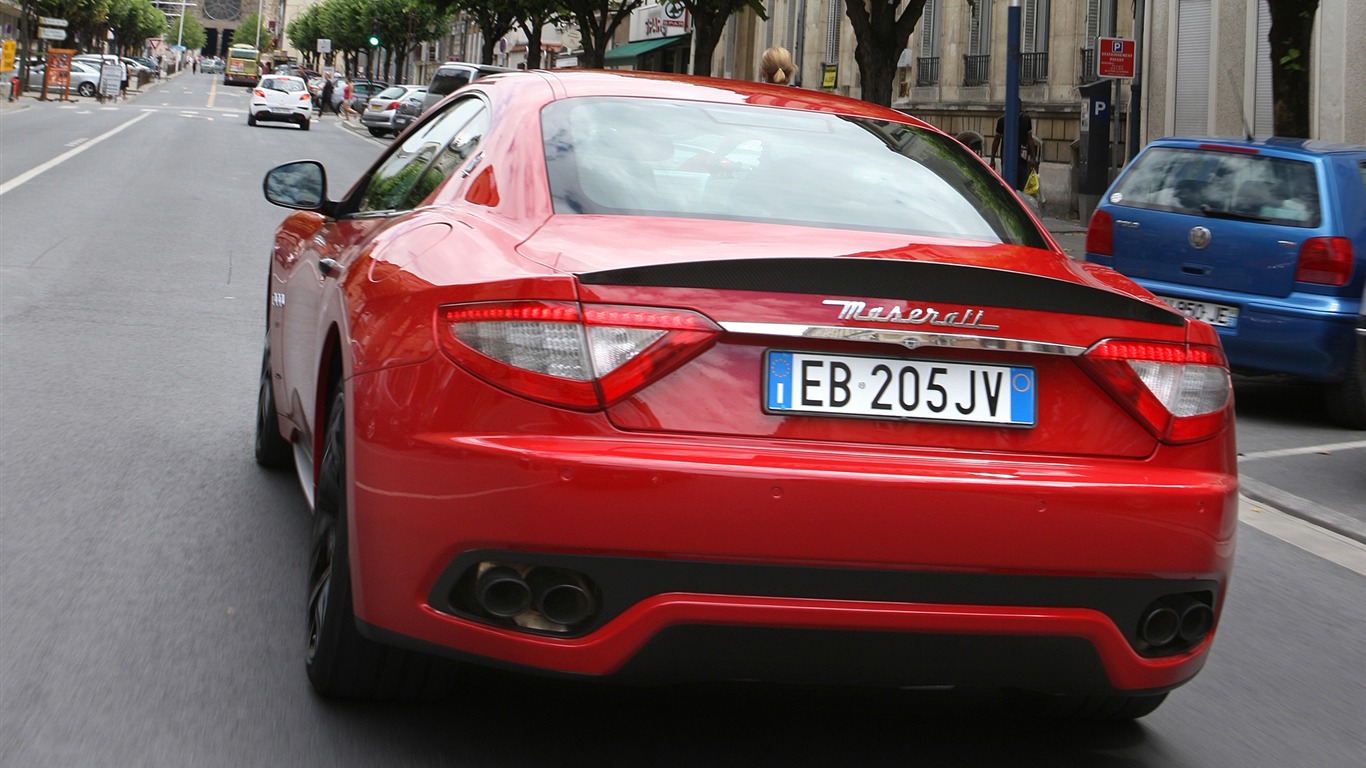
<point>776,66</point>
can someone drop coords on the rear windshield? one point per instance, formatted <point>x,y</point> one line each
<point>288,85</point>
<point>651,157</point>
<point>448,80</point>
<point>1222,184</point>
<point>392,92</point>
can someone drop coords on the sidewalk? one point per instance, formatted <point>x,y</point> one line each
<point>30,98</point>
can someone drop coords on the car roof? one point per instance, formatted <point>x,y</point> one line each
<point>1274,143</point>
<point>572,83</point>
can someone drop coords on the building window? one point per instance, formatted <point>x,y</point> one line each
<point>977,61</point>
<point>927,63</point>
<point>833,26</point>
<point>1034,43</point>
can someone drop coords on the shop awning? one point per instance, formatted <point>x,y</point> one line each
<point>625,54</point>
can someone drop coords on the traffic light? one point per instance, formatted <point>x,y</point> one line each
<point>374,33</point>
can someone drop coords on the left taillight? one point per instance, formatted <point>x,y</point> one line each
<point>563,353</point>
<point>1181,392</point>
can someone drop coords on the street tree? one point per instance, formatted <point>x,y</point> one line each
<point>401,26</point>
<point>132,22</point>
<point>85,19</point>
<point>709,19</point>
<point>532,17</point>
<point>1290,38</point>
<point>494,17</point>
<point>598,21</point>
<point>191,35</point>
<point>251,32</point>
<point>880,35</point>
<point>347,24</point>
<point>304,31</point>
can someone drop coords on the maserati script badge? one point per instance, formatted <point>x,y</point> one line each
<point>860,311</point>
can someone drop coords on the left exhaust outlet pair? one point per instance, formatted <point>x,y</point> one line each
<point>560,597</point>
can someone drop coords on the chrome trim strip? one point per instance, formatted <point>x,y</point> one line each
<point>908,339</point>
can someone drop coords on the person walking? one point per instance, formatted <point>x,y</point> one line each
<point>325,98</point>
<point>776,66</point>
<point>1028,148</point>
<point>346,101</point>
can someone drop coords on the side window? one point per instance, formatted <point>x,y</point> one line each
<point>448,81</point>
<point>458,151</point>
<point>394,185</point>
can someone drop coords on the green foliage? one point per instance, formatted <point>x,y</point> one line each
<point>133,21</point>
<point>191,35</point>
<point>246,33</point>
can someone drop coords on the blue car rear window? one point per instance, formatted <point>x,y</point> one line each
<point>1223,184</point>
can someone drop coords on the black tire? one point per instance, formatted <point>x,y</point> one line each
<point>304,124</point>
<point>1347,399</point>
<point>272,449</point>
<point>1094,708</point>
<point>377,131</point>
<point>86,89</point>
<point>251,119</point>
<point>340,662</point>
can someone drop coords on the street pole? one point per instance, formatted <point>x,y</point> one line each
<point>1010,153</point>
<point>1136,85</point>
<point>260,9</point>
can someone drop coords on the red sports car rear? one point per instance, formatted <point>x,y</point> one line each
<point>657,378</point>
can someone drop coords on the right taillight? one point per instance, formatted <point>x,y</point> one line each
<point>1325,261</point>
<point>577,356</point>
<point>1181,392</point>
<point>1100,234</point>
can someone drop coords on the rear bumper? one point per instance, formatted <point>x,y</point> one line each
<point>860,559</point>
<point>1304,335</point>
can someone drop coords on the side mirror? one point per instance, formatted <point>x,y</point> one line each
<point>301,184</point>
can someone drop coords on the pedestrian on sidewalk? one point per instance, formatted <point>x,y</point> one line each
<point>1028,149</point>
<point>325,98</point>
<point>775,66</point>
<point>346,101</point>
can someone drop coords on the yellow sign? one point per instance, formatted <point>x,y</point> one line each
<point>7,56</point>
<point>831,70</point>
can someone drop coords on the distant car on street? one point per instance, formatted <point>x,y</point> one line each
<point>1265,240</point>
<point>453,75</point>
<point>281,98</point>
<point>381,110</point>
<point>211,65</point>
<point>364,90</point>
<point>84,80</point>
<point>409,109</point>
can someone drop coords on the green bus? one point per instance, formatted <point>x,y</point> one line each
<point>243,67</point>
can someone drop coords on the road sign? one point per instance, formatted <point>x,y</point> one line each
<point>1116,57</point>
<point>324,45</point>
<point>154,43</point>
<point>49,33</point>
<point>44,21</point>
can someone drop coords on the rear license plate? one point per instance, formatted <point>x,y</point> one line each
<point>1221,315</point>
<point>897,388</point>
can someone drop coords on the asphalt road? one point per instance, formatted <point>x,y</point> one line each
<point>152,576</point>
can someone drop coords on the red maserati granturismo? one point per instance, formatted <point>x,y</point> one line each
<point>657,378</point>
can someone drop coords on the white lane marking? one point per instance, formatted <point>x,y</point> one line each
<point>67,155</point>
<point>1326,448</point>
<point>1330,546</point>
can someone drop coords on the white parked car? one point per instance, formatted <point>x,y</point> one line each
<point>281,99</point>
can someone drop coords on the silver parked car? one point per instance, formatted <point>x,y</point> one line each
<point>85,79</point>
<point>382,109</point>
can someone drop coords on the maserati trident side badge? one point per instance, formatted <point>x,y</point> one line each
<point>860,311</point>
<point>1199,237</point>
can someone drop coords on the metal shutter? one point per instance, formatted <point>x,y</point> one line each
<point>1264,108</point>
<point>1192,68</point>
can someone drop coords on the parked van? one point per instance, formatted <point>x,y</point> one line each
<point>454,74</point>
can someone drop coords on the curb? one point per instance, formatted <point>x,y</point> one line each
<point>1304,509</point>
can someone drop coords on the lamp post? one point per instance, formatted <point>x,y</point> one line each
<point>1010,153</point>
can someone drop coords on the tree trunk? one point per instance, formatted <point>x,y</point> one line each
<point>881,36</point>
<point>533,41</point>
<point>1292,31</point>
<point>707,33</point>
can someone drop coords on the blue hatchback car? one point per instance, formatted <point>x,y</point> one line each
<point>1265,240</point>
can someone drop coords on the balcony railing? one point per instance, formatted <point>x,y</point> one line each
<point>1088,65</point>
<point>1033,68</point>
<point>927,70</point>
<point>976,69</point>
